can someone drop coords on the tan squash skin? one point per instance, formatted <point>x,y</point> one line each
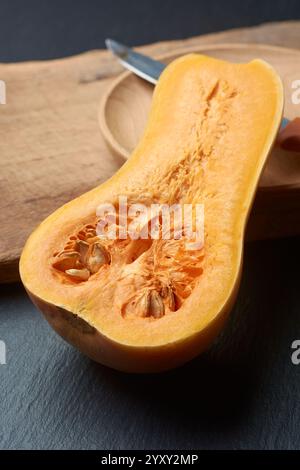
<point>125,358</point>
<point>210,130</point>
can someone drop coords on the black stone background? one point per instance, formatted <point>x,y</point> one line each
<point>244,393</point>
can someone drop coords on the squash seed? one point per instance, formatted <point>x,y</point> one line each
<point>164,292</point>
<point>97,258</point>
<point>68,254</point>
<point>157,308</point>
<point>83,250</point>
<point>171,300</point>
<point>144,304</point>
<point>81,274</point>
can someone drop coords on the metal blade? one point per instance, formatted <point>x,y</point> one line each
<point>143,66</point>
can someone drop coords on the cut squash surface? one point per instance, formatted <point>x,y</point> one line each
<point>149,304</point>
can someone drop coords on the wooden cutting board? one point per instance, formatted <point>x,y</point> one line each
<point>51,147</point>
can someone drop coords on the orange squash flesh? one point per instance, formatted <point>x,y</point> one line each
<point>210,130</point>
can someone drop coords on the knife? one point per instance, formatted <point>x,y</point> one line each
<point>150,70</point>
<point>141,65</point>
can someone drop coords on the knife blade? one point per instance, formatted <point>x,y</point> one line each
<point>142,65</point>
<point>145,67</point>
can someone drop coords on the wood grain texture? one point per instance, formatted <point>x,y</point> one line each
<point>51,146</point>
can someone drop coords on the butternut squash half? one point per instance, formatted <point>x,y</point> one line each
<point>151,304</point>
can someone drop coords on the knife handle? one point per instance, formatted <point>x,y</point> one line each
<point>289,136</point>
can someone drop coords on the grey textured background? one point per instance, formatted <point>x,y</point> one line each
<point>244,393</point>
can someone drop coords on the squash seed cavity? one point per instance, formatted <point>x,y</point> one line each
<point>153,277</point>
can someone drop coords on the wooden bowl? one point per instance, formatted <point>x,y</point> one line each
<point>125,106</point>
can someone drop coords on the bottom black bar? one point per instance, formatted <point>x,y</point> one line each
<point>137,458</point>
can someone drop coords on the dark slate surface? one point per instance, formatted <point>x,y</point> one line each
<point>244,393</point>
